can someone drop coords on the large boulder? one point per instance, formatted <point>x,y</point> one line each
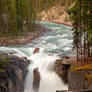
<point>36,80</point>
<point>80,78</point>
<point>76,91</point>
<point>36,50</point>
<point>62,69</point>
<point>76,81</point>
<point>12,73</point>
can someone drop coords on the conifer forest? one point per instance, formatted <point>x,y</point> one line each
<point>45,45</point>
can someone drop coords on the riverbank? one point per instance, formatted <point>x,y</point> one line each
<point>29,37</point>
<point>61,22</point>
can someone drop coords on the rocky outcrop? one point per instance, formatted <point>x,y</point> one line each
<point>76,91</point>
<point>36,80</point>
<point>62,69</point>
<point>68,59</point>
<point>36,50</point>
<point>58,67</point>
<point>12,73</point>
<point>80,78</point>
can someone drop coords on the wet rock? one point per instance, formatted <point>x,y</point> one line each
<point>36,50</point>
<point>3,43</point>
<point>80,79</point>
<point>66,57</point>
<point>62,69</point>
<point>36,80</point>
<point>76,91</point>
<point>3,83</point>
<point>12,73</point>
<point>58,67</point>
<point>63,91</point>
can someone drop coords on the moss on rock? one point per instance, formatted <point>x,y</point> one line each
<point>88,78</point>
<point>80,78</point>
<point>2,70</point>
<point>85,67</point>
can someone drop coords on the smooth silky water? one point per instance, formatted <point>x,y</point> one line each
<point>53,44</point>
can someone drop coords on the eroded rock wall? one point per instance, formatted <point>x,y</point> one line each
<point>12,73</point>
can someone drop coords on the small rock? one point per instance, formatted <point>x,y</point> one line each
<point>36,50</point>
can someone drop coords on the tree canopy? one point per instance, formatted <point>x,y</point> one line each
<point>81,16</point>
<point>16,16</point>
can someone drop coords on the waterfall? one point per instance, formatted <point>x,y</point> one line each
<point>53,44</point>
<point>50,82</point>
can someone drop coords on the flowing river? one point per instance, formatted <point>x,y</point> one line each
<point>53,44</point>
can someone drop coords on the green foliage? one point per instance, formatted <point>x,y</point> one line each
<point>46,4</point>
<point>19,16</point>
<point>16,16</point>
<point>81,16</point>
<point>4,61</point>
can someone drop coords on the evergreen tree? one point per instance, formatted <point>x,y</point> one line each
<point>81,14</point>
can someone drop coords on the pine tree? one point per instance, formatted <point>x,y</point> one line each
<point>81,15</point>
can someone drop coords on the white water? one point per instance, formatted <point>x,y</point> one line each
<point>49,80</point>
<point>57,42</point>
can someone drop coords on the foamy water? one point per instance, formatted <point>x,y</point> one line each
<point>56,42</point>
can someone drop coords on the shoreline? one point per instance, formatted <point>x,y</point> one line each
<point>30,37</point>
<point>63,23</point>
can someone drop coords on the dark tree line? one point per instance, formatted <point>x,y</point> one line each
<point>19,16</point>
<point>81,16</point>
<point>16,16</point>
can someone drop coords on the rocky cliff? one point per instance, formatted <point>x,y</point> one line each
<point>62,69</point>
<point>80,78</point>
<point>56,13</point>
<point>12,73</point>
<point>76,91</point>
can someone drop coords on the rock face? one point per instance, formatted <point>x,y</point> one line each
<point>12,73</point>
<point>36,80</point>
<point>62,70</point>
<point>36,50</point>
<point>58,67</point>
<point>76,81</point>
<point>81,78</point>
<point>76,91</point>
